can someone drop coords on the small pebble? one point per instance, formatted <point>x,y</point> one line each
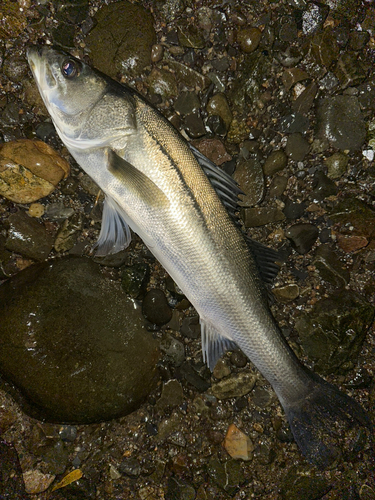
<point>36,210</point>
<point>238,444</point>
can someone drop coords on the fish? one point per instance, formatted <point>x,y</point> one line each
<point>185,209</point>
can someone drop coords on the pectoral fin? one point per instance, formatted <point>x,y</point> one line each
<point>137,182</point>
<point>114,233</point>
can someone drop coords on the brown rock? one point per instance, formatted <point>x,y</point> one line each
<point>29,170</point>
<point>351,243</point>
<point>237,444</point>
<point>213,149</point>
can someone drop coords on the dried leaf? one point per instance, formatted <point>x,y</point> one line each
<point>68,479</point>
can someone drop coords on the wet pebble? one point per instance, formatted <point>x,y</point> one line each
<point>162,82</point>
<point>55,455</point>
<point>297,147</point>
<point>324,47</point>
<point>173,349</point>
<point>171,395</point>
<point>261,216</point>
<point>330,267</point>
<point>349,70</point>
<point>134,279</point>
<point>238,444</point>
<point>29,170</point>
<point>130,466</point>
<point>275,162</point>
<point>291,76</point>
<point>278,186</point>
<point>58,211</point>
<point>228,475</point>
<point>293,123</point>
<point>190,36</point>
<point>294,210</point>
<point>157,52</point>
<point>36,481</point>
<point>36,210</point>
<point>340,121</point>
<point>287,293</point>
<point>192,375</point>
<point>28,237</point>
<point>194,126</point>
<point>68,233</point>
<point>248,39</point>
<point>305,100</point>
<point>214,150</point>
<point>191,327</point>
<point>238,359</point>
<point>302,236</point>
<point>336,165</point>
<point>216,124</point>
<point>304,483</point>
<point>287,31</point>
<point>187,75</point>
<point>323,186</point>
<point>222,369</point>
<point>218,105</point>
<point>45,131</point>
<point>332,332</point>
<point>236,385</point>
<point>354,218</point>
<point>179,489</point>
<point>350,243</point>
<point>155,307</point>
<point>249,176</point>
<point>122,39</point>
<point>313,17</point>
<point>186,103</point>
<point>81,367</point>
<point>261,397</point>
<point>15,69</point>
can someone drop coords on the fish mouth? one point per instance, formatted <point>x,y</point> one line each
<point>40,68</point>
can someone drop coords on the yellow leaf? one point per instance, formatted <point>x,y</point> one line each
<point>68,479</point>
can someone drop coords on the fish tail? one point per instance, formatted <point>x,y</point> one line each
<point>328,425</point>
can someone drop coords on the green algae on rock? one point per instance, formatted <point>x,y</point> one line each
<point>73,343</point>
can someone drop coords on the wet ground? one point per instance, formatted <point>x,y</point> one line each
<point>282,96</point>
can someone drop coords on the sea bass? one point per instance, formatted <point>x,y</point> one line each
<point>183,206</point>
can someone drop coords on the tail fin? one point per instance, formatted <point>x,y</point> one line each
<point>327,424</point>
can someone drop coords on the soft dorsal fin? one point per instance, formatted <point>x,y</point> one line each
<point>226,188</point>
<point>214,345</point>
<point>267,259</point>
<point>114,233</point>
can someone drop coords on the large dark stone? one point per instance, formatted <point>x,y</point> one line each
<point>73,344</point>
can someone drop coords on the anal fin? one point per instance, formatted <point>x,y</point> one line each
<point>214,345</point>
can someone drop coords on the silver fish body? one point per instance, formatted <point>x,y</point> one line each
<point>157,185</point>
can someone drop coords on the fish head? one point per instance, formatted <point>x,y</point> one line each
<point>73,92</point>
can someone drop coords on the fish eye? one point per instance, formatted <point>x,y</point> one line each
<point>70,68</point>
